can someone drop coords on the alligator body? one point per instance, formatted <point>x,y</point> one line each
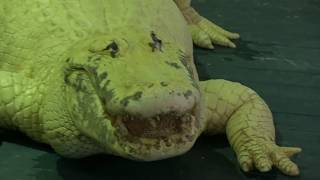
<point>118,77</point>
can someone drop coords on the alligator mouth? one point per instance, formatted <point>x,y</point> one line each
<point>158,126</point>
<point>157,137</point>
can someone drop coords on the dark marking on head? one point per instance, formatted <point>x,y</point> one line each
<point>135,97</point>
<point>164,84</point>
<point>86,112</point>
<point>105,85</point>
<point>94,59</point>
<point>124,102</point>
<point>151,85</point>
<point>92,70</point>
<point>77,77</point>
<point>173,64</point>
<point>187,94</point>
<point>113,48</point>
<point>156,42</point>
<point>103,76</point>
<point>80,83</point>
<point>186,61</point>
<point>87,78</point>
<point>108,95</point>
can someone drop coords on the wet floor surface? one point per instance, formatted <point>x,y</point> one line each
<point>278,56</point>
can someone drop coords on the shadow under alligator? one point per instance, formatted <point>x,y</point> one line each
<point>211,158</point>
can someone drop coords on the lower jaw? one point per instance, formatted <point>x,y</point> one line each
<point>156,155</point>
<point>157,151</point>
<point>152,149</point>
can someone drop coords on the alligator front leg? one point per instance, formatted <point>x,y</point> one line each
<point>205,32</point>
<point>247,120</point>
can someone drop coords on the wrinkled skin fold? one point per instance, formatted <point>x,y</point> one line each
<point>118,77</point>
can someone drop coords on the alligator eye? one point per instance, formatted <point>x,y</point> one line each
<point>156,42</point>
<point>113,48</point>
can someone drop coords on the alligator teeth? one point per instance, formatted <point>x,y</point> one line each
<point>153,123</point>
<point>184,119</point>
<point>122,128</point>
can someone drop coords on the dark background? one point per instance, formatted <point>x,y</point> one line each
<point>278,56</point>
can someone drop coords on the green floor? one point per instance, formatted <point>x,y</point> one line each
<point>278,56</point>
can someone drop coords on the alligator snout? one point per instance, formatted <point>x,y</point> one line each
<point>151,101</point>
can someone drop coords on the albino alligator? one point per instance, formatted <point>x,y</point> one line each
<point>118,77</point>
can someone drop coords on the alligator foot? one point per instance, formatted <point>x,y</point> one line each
<point>205,33</point>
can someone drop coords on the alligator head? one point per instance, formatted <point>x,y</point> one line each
<point>136,97</point>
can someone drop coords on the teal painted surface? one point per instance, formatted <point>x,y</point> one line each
<point>278,56</point>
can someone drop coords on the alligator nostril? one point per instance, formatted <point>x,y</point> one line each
<point>187,94</point>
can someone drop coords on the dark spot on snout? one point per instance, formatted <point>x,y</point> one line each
<point>171,92</point>
<point>124,102</point>
<point>187,94</point>
<point>164,84</point>
<point>103,76</point>
<point>80,84</point>
<point>135,97</point>
<point>108,94</point>
<point>173,64</point>
<point>92,70</point>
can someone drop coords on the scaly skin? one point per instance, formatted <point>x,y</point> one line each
<point>61,85</point>
<point>248,122</point>
<point>18,108</point>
